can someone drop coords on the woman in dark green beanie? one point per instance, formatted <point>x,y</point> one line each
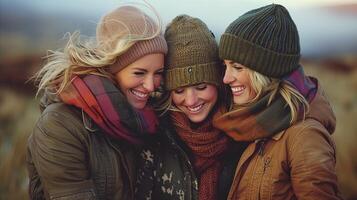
<point>280,111</point>
<point>192,160</point>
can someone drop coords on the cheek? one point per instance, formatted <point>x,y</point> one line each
<point>210,95</point>
<point>240,76</point>
<point>250,88</point>
<point>248,84</point>
<point>252,93</point>
<point>157,81</point>
<point>127,83</point>
<point>124,83</point>
<point>176,98</point>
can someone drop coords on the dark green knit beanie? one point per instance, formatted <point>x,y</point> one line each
<point>192,56</point>
<point>265,40</point>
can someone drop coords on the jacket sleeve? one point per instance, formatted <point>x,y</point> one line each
<point>146,176</point>
<point>58,156</point>
<point>312,162</point>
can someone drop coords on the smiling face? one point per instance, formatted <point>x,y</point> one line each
<point>237,77</point>
<point>140,78</point>
<point>195,101</point>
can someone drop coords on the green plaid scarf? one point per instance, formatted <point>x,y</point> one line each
<point>259,120</point>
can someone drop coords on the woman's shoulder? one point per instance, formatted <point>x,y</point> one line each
<point>307,127</point>
<point>309,133</point>
<point>60,112</point>
<point>59,119</point>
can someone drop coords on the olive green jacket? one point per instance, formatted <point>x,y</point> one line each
<point>70,158</point>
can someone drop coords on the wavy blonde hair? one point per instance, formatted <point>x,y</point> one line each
<point>262,85</point>
<point>84,55</point>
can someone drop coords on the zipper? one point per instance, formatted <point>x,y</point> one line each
<point>265,165</point>
<point>258,150</point>
<point>266,162</point>
<point>261,147</point>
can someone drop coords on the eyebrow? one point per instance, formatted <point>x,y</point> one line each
<point>140,69</point>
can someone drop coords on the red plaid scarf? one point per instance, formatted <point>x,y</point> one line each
<point>109,109</point>
<point>207,145</point>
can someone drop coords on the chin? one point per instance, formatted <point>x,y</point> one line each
<point>197,119</point>
<point>138,105</point>
<point>239,101</point>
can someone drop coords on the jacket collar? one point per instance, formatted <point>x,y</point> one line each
<point>88,122</point>
<point>278,136</point>
<point>318,105</point>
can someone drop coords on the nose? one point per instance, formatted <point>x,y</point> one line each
<point>149,84</point>
<point>228,77</point>
<point>190,97</point>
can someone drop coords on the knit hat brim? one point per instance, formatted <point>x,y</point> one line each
<point>257,58</point>
<point>138,50</point>
<point>192,75</point>
<point>127,34</point>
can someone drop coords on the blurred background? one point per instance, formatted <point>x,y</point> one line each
<point>328,34</point>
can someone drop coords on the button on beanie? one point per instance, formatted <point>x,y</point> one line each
<point>192,56</point>
<point>129,23</point>
<point>265,40</point>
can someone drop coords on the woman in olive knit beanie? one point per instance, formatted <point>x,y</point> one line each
<point>193,160</point>
<point>282,113</point>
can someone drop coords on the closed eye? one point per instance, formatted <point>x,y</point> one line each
<point>202,86</point>
<point>237,66</point>
<point>139,73</point>
<point>178,90</point>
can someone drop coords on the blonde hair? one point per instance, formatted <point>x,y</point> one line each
<point>262,85</point>
<point>165,104</point>
<point>86,56</point>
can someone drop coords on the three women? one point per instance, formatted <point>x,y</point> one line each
<point>82,145</point>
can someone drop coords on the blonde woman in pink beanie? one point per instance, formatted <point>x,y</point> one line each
<point>95,109</point>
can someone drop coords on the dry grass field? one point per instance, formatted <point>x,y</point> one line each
<point>18,114</point>
<point>341,88</point>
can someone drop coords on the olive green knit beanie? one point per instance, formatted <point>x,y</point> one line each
<point>192,56</point>
<point>265,40</point>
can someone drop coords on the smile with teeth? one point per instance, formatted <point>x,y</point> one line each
<point>195,109</point>
<point>140,95</point>
<point>238,90</point>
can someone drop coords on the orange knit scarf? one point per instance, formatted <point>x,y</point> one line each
<point>207,145</point>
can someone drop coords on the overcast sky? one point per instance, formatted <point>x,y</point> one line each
<point>170,7</point>
<point>319,30</point>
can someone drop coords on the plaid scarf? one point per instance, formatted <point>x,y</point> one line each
<point>259,120</point>
<point>207,145</point>
<point>109,109</point>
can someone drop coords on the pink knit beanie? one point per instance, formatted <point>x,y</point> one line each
<point>126,23</point>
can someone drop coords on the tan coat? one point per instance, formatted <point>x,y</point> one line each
<point>297,163</point>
